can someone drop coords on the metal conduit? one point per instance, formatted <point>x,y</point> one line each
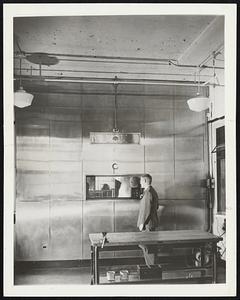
<point>123,82</point>
<point>170,61</point>
<point>109,61</point>
<point>214,53</point>
<point>112,81</point>
<point>192,66</point>
<point>108,57</point>
<point>109,72</point>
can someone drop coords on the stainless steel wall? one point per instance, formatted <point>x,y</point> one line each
<point>53,155</point>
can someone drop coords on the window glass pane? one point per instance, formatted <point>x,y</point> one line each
<point>104,187</point>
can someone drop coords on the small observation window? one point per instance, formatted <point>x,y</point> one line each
<point>113,187</point>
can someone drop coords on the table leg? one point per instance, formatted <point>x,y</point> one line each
<point>92,266</point>
<point>155,253</point>
<point>203,272</point>
<point>214,263</point>
<point>96,270</point>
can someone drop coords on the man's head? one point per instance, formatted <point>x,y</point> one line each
<point>146,180</point>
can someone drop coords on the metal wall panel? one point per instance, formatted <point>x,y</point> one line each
<point>98,114</point>
<point>97,168</point>
<point>66,230</point>
<point>97,152</point>
<point>65,141</point>
<point>190,214</point>
<point>163,184</point>
<point>130,102</point>
<point>98,216</point>
<point>130,126</point>
<point>158,102</point>
<point>65,165</point>
<point>130,167</point>
<point>56,113</point>
<point>128,153</point>
<point>60,100</point>
<point>125,218</point>
<point>189,148</point>
<point>126,214</point>
<point>189,172</point>
<point>126,114</point>
<point>159,149</point>
<point>66,180</point>
<point>30,114</point>
<point>96,102</point>
<point>189,152</point>
<point>187,123</point>
<point>32,230</point>
<point>160,115</point>
<point>54,156</point>
<point>32,159</point>
<point>188,176</point>
<point>166,216</point>
<point>94,126</point>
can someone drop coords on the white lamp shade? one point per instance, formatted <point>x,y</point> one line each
<point>22,98</point>
<point>198,103</point>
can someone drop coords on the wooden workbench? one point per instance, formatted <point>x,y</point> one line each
<point>130,240</point>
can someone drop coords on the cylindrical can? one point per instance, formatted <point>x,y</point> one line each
<point>110,275</point>
<point>124,274</point>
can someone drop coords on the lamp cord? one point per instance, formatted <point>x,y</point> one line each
<point>20,71</point>
<point>198,87</point>
<point>115,106</point>
<point>214,72</point>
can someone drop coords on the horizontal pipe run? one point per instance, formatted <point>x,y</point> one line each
<point>125,82</point>
<point>212,55</point>
<point>112,81</point>
<point>216,119</point>
<point>108,72</point>
<point>107,57</point>
<point>38,92</point>
<point>108,61</point>
<point>169,61</point>
<point>195,66</point>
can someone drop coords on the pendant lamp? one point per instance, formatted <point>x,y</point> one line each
<point>200,102</point>
<point>21,97</point>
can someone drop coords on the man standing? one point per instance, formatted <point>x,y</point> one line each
<point>147,217</point>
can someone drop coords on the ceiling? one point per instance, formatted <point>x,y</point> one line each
<point>129,47</point>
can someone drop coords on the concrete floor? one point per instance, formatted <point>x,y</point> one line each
<point>73,275</point>
<point>77,275</point>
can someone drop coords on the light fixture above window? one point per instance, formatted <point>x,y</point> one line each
<point>115,137</point>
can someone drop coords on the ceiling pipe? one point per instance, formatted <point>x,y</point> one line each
<point>141,82</point>
<point>108,72</point>
<point>210,56</point>
<point>108,61</point>
<point>108,57</point>
<point>168,61</point>
<point>195,66</point>
<point>111,81</point>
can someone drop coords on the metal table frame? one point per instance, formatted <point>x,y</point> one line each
<point>178,243</point>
